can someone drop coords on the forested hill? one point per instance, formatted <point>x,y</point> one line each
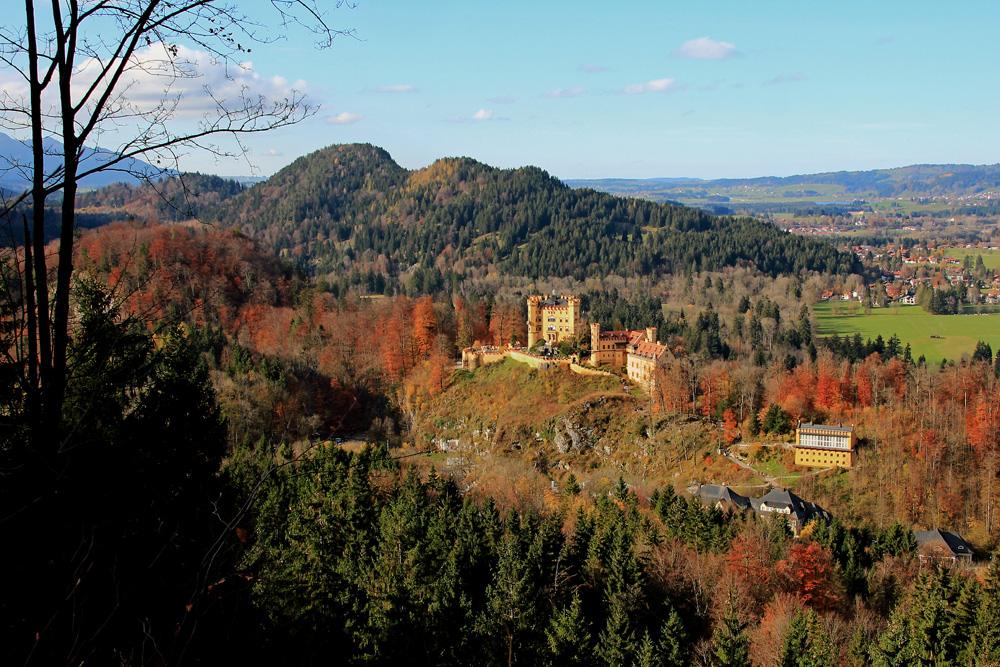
<point>351,210</point>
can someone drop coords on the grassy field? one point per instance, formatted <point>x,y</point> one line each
<point>958,333</point>
<point>991,258</point>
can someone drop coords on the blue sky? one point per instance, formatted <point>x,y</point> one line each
<point>669,88</point>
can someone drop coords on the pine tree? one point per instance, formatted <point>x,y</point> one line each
<point>673,639</point>
<point>647,655</point>
<point>919,631</point>
<point>985,640</point>
<point>962,619</point>
<point>568,635</point>
<point>511,596</point>
<point>615,643</point>
<point>806,645</point>
<point>732,646</point>
<point>859,650</point>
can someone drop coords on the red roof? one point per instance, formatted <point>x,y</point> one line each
<point>650,350</point>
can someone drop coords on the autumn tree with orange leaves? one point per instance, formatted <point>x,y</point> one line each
<point>809,573</point>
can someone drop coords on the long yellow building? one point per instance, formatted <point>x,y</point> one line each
<point>824,445</point>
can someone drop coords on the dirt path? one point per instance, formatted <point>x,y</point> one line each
<point>773,481</point>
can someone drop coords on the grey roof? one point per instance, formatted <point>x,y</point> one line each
<point>827,427</point>
<point>785,499</point>
<point>953,541</point>
<point>555,300</point>
<point>799,511</point>
<point>711,494</point>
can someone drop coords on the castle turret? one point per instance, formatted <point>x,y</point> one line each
<point>595,343</point>
<point>534,320</point>
<point>651,334</point>
<point>574,314</point>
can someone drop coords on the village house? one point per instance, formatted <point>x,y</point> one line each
<point>940,546</point>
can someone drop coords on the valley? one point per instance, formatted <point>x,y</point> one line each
<point>361,336</point>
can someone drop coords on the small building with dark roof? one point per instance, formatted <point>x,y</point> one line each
<point>722,497</point>
<point>940,546</point>
<point>776,501</point>
<point>782,501</point>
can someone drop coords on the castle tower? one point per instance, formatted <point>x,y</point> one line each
<point>534,320</point>
<point>651,334</point>
<point>595,343</point>
<point>574,313</point>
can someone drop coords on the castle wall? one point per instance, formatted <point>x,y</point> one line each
<point>583,370</point>
<point>539,363</point>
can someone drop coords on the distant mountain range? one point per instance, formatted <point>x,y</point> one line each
<point>16,164</point>
<point>916,181</point>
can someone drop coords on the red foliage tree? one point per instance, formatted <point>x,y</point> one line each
<point>809,573</point>
<point>395,334</point>
<point>424,326</point>
<point>982,426</point>
<point>731,428</point>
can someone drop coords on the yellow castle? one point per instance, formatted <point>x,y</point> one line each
<point>553,318</point>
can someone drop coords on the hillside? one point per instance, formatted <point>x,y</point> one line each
<point>347,212</point>
<point>557,422</point>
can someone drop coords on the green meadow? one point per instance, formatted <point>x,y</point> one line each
<point>913,325</point>
<point>991,258</point>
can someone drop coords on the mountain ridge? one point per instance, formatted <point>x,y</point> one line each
<point>916,180</point>
<point>351,210</point>
<point>16,163</point>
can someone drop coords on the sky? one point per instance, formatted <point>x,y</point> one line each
<point>635,89</point>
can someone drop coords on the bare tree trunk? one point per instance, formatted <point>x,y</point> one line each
<point>42,359</point>
<point>31,389</point>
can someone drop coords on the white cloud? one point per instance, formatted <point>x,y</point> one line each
<point>482,114</point>
<point>199,82</point>
<point>564,92</point>
<point>791,78</point>
<point>591,68</point>
<point>704,48</point>
<point>654,86</point>
<point>344,118</point>
<point>271,153</point>
<point>405,88</point>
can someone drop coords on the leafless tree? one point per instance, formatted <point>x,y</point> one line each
<point>87,72</point>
